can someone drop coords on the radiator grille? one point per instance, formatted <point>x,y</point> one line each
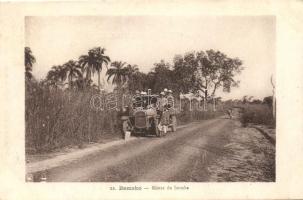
<point>140,120</point>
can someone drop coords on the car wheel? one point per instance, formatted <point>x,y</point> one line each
<point>174,123</point>
<point>156,129</point>
<point>125,127</point>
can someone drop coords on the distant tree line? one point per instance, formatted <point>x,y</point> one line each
<point>201,73</point>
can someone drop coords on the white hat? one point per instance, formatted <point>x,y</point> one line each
<point>170,91</point>
<point>162,93</point>
<point>165,89</point>
<point>143,93</point>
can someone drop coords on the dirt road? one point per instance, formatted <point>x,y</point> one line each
<point>210,150</point>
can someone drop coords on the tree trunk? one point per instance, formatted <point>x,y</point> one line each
<point>204,105</point>
<point>274,106</point>
<point>180,103</point>
<point>205,100</point>
<point>99,80</point>
<point>119,85</point>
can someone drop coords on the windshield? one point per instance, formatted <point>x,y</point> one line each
<point>145,101</point>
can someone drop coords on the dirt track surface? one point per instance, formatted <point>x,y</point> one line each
<point>210,150</point>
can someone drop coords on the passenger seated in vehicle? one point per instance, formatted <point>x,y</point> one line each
<point>170,99</point>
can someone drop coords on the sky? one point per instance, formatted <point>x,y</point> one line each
<point>145,40</point>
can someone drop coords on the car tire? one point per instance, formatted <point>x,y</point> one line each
<point>125,127</point>
<point>156,130</point>
<point>174,123</point>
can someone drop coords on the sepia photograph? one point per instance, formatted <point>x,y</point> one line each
<point>150,98</point>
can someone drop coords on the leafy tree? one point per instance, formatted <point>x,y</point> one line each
<point>247,99</point>
<point>82,83</point>
<point>131,69</point>
<point>162,77</point>
<point>214,70</point>
<point>256,101</point>
<point>135,78</point>
<point>29,60</point>
<point>184,69</point>
<point>137,81</point>
<point>205,72</point>
<point>268,101</point>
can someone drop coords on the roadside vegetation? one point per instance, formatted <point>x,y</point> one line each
<point>58,111</point>
<point>258,112</point>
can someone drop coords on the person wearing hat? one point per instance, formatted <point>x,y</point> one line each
<point>162,102</point>
<point>165,92</point>
<point>164,116</point>
<point>170,99</point>
<point>137,99</point>
<point>144,100</point>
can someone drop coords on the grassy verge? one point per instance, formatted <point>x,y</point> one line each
<point>257,114</point>
<point>189,116</point>
<point>55,119</point>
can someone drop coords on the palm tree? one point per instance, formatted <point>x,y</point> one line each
<point>57,75</point>
<point>73,70</point>
<point>102,59</point>
<point>119,73</point>
<point>93,61</point>
<point>132,69</point>
<point>29,60</point>
<point>134,78</point>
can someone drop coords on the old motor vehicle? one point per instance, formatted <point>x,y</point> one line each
<point>143,117</point>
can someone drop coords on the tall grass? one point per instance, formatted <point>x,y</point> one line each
<point>55,118</point>
<point>189,116</point>
<point>257,114</point>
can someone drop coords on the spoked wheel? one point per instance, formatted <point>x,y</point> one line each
<point>174,123</point>
<point>158,133</point>
<point>126,127</point>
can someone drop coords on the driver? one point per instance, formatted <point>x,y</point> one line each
<point>143,100</point>
<point>137,99</point>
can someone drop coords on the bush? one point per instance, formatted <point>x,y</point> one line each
<point>189,116</point>
<point>257,114</point>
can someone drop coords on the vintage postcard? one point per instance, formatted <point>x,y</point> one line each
<point>158,100</point>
